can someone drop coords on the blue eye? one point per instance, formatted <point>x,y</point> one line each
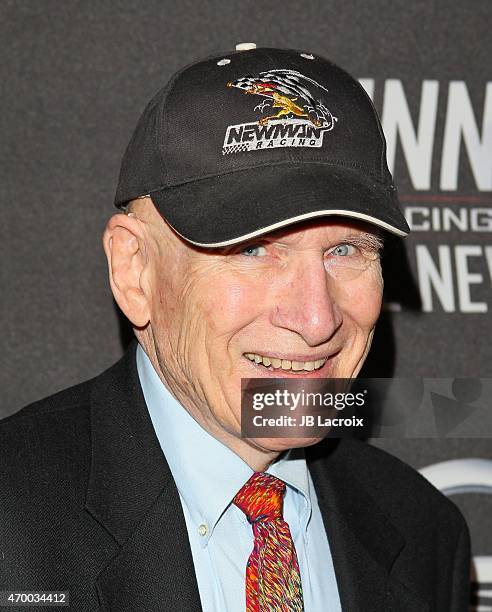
<point>342,250</point>
<point>254,250</point>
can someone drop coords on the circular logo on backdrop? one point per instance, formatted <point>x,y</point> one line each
<point>459,476</point>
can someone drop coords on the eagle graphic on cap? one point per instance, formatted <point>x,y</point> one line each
<point>286,89</point>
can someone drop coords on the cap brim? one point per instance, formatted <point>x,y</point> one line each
<point>230,208</point>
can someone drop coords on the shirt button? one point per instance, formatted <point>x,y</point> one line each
<point>203,530</point>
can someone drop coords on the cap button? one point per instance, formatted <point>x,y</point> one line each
<point>245,46</point>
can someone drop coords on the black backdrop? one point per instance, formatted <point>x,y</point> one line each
<point>76,75</point>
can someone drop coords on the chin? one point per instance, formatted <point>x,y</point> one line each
<point>282,444</point>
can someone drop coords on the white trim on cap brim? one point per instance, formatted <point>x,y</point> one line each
<point>318,213</point>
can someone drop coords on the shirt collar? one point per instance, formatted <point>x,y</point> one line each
<point>291,467</point>
<point>207,473</point>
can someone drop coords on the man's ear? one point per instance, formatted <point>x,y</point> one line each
<point>124,245</point>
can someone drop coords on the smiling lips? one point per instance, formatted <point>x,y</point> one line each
<point>286,364</point>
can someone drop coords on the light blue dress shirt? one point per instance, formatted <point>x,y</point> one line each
<point>208,475</point>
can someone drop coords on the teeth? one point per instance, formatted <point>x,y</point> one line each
<point>286,364</point>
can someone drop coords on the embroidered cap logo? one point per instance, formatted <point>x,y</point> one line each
<point>301,120</point>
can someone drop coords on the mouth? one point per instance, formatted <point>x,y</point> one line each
<point>280,367</point>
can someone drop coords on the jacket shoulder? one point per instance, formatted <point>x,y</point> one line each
<point>48,429</point>
<point>65,399</point>
<point>71,399</point>
<point>48,436</point>
<point>400,488</point>
<point>436,549</point>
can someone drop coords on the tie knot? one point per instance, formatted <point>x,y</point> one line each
<point>261,498</point>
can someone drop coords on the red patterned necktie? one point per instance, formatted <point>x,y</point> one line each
<point>273,581</point>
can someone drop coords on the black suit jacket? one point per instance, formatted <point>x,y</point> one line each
<point>88,504</point>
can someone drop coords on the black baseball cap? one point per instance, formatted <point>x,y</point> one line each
<point>244,143</point>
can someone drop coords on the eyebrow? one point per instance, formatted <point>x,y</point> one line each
<point>372,238</point>
<point>371,242</point>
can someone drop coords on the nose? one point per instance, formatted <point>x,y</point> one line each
<point>305,302</point>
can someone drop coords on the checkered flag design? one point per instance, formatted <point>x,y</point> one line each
<point>235,148</point>
<point>292,84</point>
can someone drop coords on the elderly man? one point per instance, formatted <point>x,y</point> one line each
<point>255,197</point>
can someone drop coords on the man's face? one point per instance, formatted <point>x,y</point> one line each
<point>301,302</point>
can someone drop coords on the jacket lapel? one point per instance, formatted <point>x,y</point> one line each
<point>363,541</point>
<point>132,495</point>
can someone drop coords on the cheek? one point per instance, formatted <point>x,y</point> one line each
<point>222,308</point>
<point>229,305</point>
<point>361,299</point>
<point>166,308</point>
